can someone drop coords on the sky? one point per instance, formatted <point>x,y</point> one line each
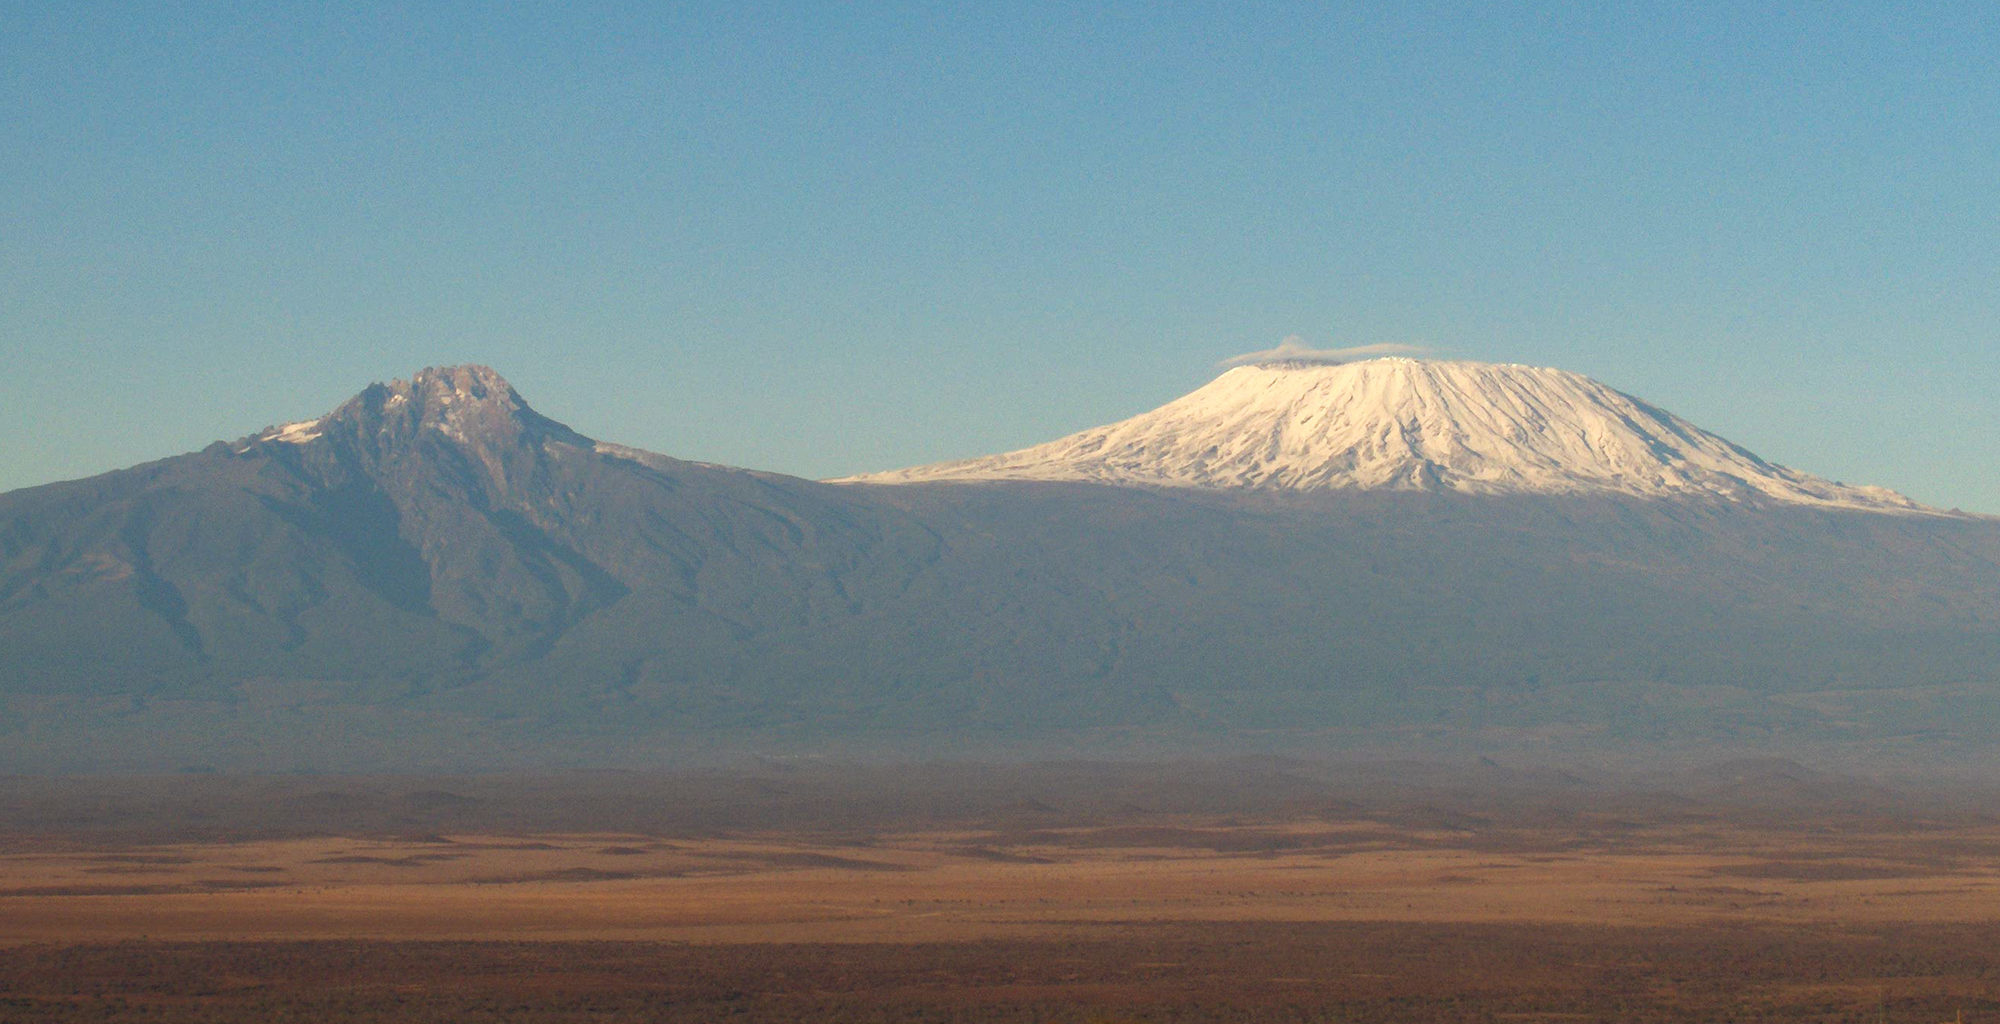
<point>829,239</point>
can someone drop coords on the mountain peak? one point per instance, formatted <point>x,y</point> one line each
<point>469,404</point>
<point>1400,423</point>
<point>466,381</point>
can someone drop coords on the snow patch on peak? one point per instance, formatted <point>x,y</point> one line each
<point>293,433</point>
<point>1410,424</point>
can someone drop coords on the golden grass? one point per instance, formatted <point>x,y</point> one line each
<point>946,886</point>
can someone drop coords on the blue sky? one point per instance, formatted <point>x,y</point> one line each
<point>821,240</point>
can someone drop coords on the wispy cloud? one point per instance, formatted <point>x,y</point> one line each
<point>1294,350</point>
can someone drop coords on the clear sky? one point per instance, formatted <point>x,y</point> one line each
<point>822,240</point>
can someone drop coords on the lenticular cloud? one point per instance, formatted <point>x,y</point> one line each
<point>1294,350</point>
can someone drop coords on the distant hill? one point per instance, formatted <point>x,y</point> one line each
<point>1453,560</point>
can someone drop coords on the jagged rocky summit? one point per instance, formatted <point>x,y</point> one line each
<point>1411,424</point>
<point>460,402</point>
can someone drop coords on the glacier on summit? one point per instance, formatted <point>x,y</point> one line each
<point>1411,424</point>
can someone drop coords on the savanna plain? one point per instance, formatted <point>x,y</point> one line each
<point>1253,892</point>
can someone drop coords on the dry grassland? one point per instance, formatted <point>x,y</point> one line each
<point>1195,919</point>
<point>968,885</point>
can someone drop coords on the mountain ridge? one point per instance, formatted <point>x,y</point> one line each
<point>435,576</point>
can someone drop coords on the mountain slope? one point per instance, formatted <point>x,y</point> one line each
<point>420,535</point>
<point>1408,424</point>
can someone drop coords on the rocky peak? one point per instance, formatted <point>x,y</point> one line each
<point>470,405</point>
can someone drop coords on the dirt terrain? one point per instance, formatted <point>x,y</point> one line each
<point>1338,911</point>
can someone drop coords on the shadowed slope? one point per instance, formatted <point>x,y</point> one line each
<point>421,534</point>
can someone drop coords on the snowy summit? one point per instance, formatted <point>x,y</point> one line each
<point>1411,424</point>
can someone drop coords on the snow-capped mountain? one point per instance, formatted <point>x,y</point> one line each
<point>435,576</point>
<point>1411,424</point>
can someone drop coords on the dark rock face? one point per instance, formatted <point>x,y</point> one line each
<point>436,576</point>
